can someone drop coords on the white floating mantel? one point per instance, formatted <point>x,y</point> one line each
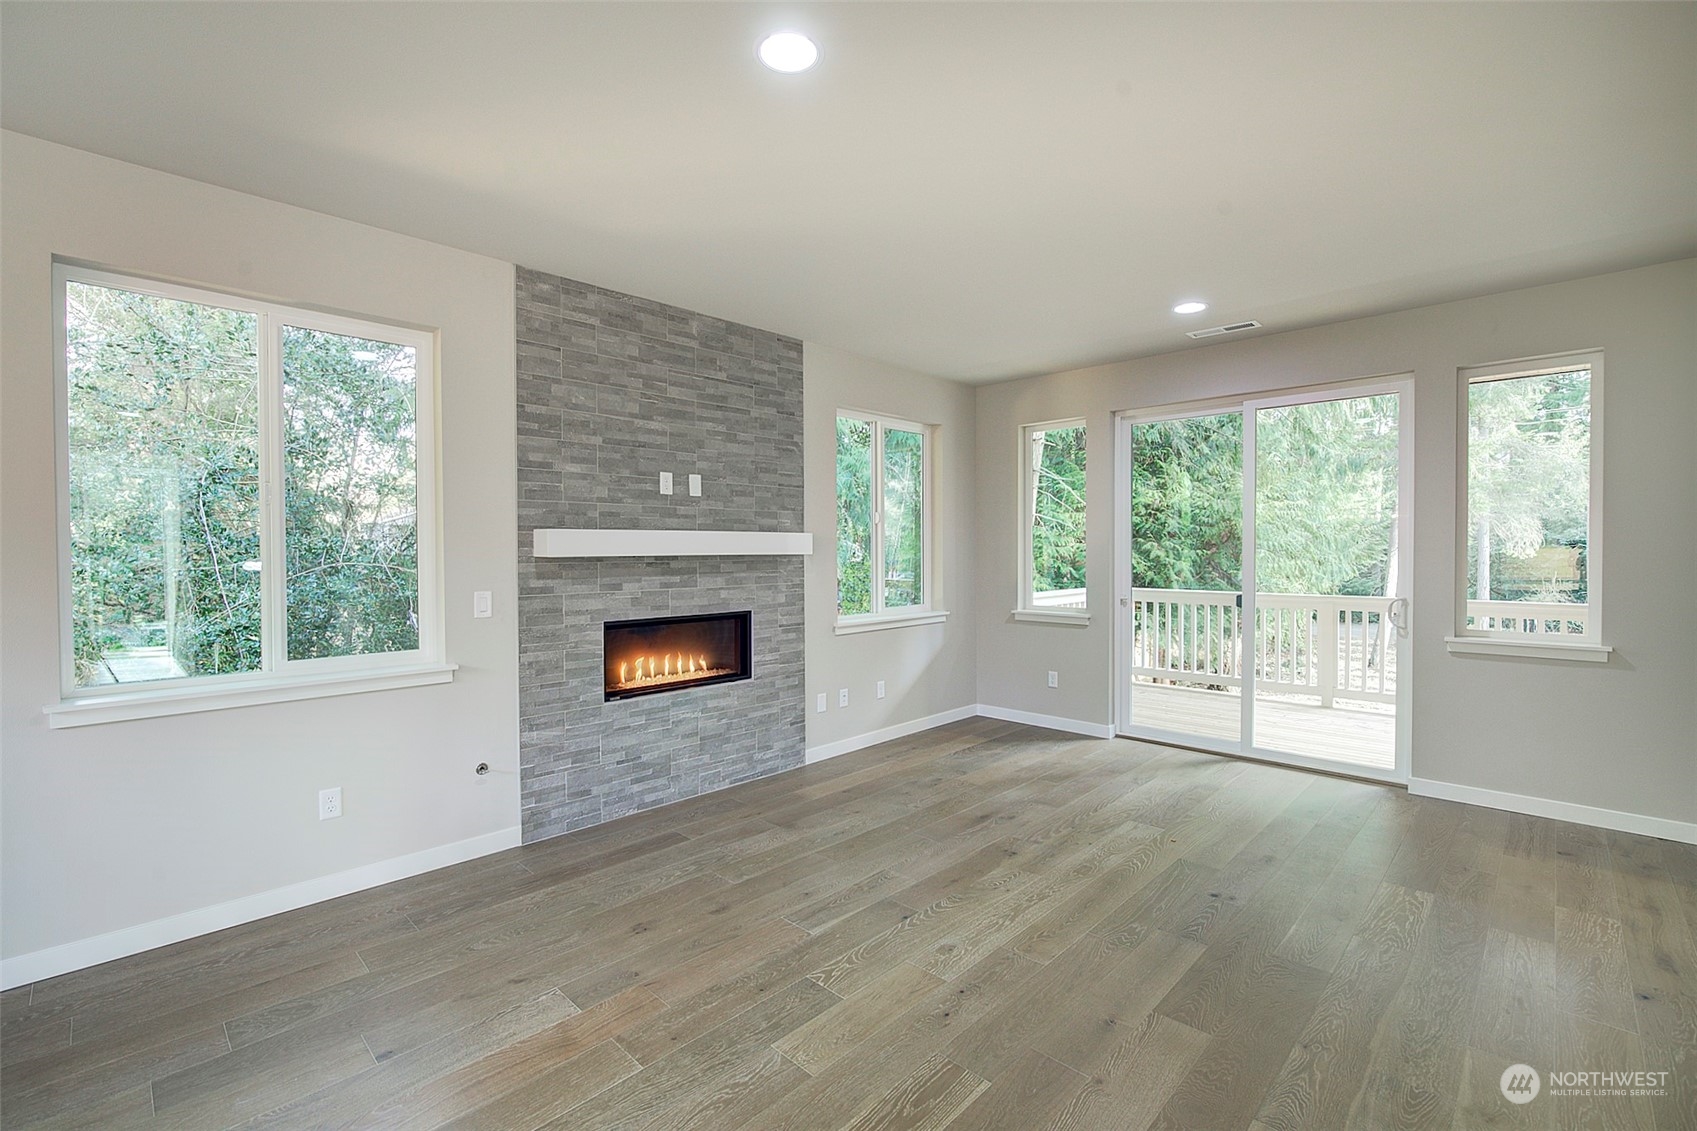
<point>667,543</point>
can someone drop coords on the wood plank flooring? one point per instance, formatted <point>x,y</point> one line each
<point>983,926</point>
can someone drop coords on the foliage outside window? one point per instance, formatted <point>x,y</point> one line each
<point>1052,504</point>
<point>882,519</point>
<point>1325,500</point>
<point>1531,493</point>
<point>1187,503</point>
<point>244,486</point>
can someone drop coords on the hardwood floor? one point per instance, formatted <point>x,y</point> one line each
<point>983,926</point>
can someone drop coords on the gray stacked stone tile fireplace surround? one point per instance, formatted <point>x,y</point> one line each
<point>613,390</point>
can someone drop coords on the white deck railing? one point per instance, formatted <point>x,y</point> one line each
<point>1058,599</point>
<point>1527,618</point>
<point>1329,647</point>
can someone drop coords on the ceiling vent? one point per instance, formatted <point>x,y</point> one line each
<point>1216,331</point>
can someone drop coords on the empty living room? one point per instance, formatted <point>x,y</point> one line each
<point>793,567</point>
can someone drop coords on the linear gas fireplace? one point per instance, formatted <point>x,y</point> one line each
<point>643,657</point>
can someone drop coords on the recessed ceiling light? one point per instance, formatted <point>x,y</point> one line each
<point>1190,308</point>
<point>788,52</point>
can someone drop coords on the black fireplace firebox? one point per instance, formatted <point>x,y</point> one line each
<point>645,657</point>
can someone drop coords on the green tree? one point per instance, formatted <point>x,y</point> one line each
<point>1528,489</point>
<point>1326,489</point>
<point>1187,503</point>
<point>1057,518</point>
<point>1325,497</point>
<point>351,499</point>
<point>854,516</point>
<point>164,426</point>
<point>164,491</point>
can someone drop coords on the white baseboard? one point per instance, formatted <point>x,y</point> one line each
<point>55,960</point>
<point>1051,722</point>
<point>886,734</point>
<point>976,710</point>
<point>1663,827</point>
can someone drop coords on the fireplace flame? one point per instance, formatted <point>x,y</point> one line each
<point>672,667</point>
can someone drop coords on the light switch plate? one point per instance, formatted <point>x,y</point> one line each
<point>695,486</point>
<point>1054,679</point>
<point>821,703</point>
<point>482,604</point>
<point>665,483</point>
<point>880,689</point>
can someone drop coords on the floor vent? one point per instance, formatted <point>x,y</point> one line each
<point>1216,331</point>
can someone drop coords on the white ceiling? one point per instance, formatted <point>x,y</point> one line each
<point>977,191</point>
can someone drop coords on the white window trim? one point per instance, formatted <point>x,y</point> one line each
<point>279,678</point>
<point>1025,607</point>
<point>1052,616</point>
<point>927,612</point>
<point>869,622</point>
<point>1588,647</point>
<point>241,691</point>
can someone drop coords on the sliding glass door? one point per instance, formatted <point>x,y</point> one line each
<point>1182,648</point>
<point>1264,564</point>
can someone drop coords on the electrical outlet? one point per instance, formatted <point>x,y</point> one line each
<point>842,697</point>
<point>821,704</point>
<point>329,803</point>
<point>665,483</point>
<point>880,689</point>
<point>1054,679</point>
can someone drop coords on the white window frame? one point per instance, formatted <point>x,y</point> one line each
<point>1588,646</point>
<point>928,611</point>
<point>278,678</point>
<point>1026,608</point>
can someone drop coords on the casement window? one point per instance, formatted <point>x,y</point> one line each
<point>1531,507</point>
<point>248,501</point>
<point>1052,492</point>
<point>884,518</point>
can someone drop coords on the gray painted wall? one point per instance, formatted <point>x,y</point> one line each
<point>1615,736</point>
<point>130,827</point>
<point>612,391</point>
<point>927,669</point>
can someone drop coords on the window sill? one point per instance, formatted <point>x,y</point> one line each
<point>155,702</point>
<point>1529,649</point>
<point>1052,616</point>
<point>850,626</point>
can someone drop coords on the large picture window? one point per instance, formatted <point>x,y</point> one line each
<point>1052,583</point>
<point>1533,489</point>
<point>883,518</point>
<point>248,490</point>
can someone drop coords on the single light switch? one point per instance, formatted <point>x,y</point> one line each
<point>665,483</point>
<point>821,703</point>
<point>482,605</point>
<point>695,486</point>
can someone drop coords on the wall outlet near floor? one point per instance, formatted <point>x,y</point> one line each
<point>842,697</point>
<point>820,707</point>
<point>880,689</point>
<point>1054,679</point>
<point>329,803</point>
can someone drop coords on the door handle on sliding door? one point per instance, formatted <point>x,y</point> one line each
<point>1398,615</point>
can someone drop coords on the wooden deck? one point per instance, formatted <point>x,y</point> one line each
<point>1344,734</point>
